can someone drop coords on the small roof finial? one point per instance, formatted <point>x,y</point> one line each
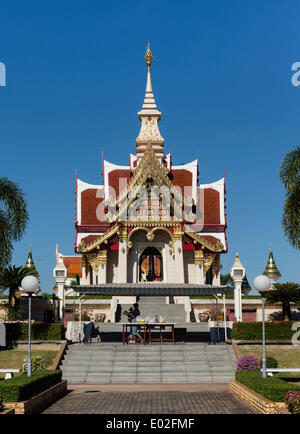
<point>271,269</point>
<point>148,56</point>
<point>30,263</point>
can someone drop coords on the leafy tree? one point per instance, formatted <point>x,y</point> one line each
<point>226,279</point>
<point>11,278</point>
<point>290,177</point>
<point>284,293</point>
<point>55,306</point>
<point>13,218</point>
<point>75,279</point>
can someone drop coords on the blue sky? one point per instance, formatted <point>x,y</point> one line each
<point>222,79</point>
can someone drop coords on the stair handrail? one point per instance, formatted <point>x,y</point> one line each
<point>188,309</point>
<point>113,308</point>
<point>187,305</point>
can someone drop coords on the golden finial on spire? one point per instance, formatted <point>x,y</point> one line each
<point>148,56</point>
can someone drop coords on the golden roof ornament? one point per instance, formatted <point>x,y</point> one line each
<point>271,269</point>
<point>148,56</point>
<point>30,264</point>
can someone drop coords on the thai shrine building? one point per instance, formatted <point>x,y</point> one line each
<point>150,224</point>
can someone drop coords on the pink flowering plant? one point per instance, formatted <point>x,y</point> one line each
<point>292,400</point>
<point>247,363</point>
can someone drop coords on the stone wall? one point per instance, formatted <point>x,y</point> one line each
<point>256,401</point>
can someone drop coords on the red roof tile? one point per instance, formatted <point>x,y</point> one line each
<point>73,265</point>
<point>89,205</point>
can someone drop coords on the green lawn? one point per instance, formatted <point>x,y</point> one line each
<point>286,356</point>
<point>13,359</point>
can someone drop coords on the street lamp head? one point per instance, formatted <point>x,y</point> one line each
<point>30,284</point>
<point>262,284</point>
<point>237,271</point>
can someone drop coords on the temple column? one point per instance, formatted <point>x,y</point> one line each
<point>95,274</point>
<point>88,269</point>
<point>84,279</point>
<point>93,268</point>
<point>216,271</point>
<point>199,267</point>
<point>102,268</point>
<point>178,253</point>
<point>122,265</point>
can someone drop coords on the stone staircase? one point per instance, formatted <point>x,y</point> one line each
<point>194,361</point>
<point>150,306</point>
<point>157,363</point>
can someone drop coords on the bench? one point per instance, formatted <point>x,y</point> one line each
<point>9,372</point>
<point>271,370</point>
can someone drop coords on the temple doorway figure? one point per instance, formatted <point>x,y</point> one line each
<point>150,265</point>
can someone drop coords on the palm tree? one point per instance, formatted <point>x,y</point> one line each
<point>13,218</point>
<point>11,278</point>
<point>290,177</point>
<point>284,293</point>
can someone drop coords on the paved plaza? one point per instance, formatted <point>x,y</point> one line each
<point>150,399</point>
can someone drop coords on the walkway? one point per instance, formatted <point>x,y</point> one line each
<point>175,399</point>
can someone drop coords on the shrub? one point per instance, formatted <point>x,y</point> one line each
<point>280,330</point>
<point>292,399</point>
<point>37,364</point>
<point>272,388</point>
<point>39,331</point>
<point>247,363</point>
<point>22,387</point>
<point>270,362</point>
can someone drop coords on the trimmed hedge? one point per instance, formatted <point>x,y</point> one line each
<point>275,330</point>
<point>272,388</point>
<point>22,387</point>
<point>270,362</point>
<point>39,331</point>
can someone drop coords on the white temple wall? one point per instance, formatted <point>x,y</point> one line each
<point>189,266</point>
<point>217,279</point>
<point>112,266</point>
<point>170,266</point>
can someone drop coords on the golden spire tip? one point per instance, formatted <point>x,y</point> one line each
<point>148,56</point>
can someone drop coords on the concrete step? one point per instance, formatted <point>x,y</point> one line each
<point>109,363</point>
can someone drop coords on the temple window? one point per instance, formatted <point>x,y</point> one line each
<point>150,265</point>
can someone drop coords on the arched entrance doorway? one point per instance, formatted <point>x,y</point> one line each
<point>150,265</point>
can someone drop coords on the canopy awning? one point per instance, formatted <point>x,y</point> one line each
<point>152,289</point>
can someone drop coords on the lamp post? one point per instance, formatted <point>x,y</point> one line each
<point>262,284</point>
<point>30,285</point>
<point>60,273</point>
<point>237,274</point>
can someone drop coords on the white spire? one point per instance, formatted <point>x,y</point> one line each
<point>149,116</point>
<point>149,107</point>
